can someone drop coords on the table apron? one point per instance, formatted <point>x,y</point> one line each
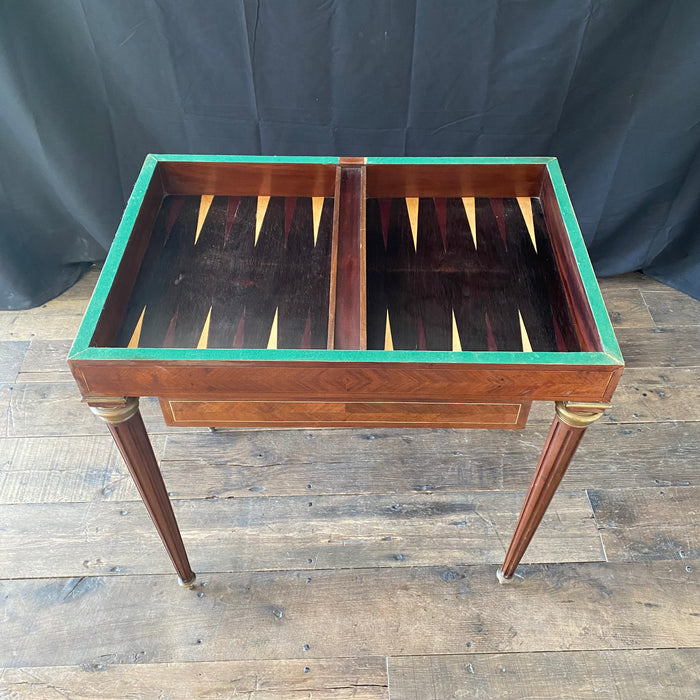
<point>346,382</point>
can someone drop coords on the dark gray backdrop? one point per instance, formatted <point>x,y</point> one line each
<point>88,88</point>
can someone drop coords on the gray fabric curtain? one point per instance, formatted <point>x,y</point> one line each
<point>88,88</point>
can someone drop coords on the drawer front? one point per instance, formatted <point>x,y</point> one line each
<point>308,414</point>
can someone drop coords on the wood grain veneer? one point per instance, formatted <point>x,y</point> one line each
<point>573,285</point>
<point>343,381</point>
<point>397,414</point>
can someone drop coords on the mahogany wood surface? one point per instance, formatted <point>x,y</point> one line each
<point>454,180</point>
<point>350,310</point>
<point>345,381</point>
<point>132,440</point>
<point>578,302</point>
<point>114,307</point>
<point>333,291</point>
<point>398,414</point>
<point>559,448</point>
<point>248,179</point>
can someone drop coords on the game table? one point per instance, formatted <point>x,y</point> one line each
<point>347,292</point>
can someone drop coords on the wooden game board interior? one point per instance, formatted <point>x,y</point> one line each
<point>379,256</point>
<point>177,183</point>
<point>460,260</point>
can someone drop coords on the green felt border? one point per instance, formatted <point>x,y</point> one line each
<point>81,347</point>
<point>590,283</point>
<point>180,157</point>
<point>109,269</point>
<point>459,161</point>
<point>409,356</point>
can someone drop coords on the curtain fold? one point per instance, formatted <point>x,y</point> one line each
<point>88,88</point>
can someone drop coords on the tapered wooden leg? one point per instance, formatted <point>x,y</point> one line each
<point>126,425</point>
<point>567,429</point>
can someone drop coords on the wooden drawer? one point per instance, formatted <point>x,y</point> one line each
<point>307,414</point>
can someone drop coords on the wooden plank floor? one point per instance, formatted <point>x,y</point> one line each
<point>353,563</point>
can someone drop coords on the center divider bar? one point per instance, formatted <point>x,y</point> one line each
<point>350,326</point>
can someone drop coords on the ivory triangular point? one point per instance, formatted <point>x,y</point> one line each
<point>523,335</point>
<point>260,215</point>
<point>456,344</point>
<point>136,335</point>
<point>204,204</point>
<point>204,337</point>
<point>469,204</point>
<point>317,206</point>
<point>412,206</point>
<point>388,340</point>
<point>272,342</point>
<point>525,204</point>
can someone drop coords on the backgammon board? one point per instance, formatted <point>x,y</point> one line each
<point>260,291</point>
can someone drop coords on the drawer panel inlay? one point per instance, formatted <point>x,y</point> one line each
<point>212,413</point>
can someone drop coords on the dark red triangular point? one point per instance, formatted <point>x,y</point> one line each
<point>238,338</point>
<point>421,335</point>
<point>290,204</point>
<point>441,209</point>
<point>497,207</point>
<point>231,210</point>
<point>175,206</point>
<point>490,339</point>
<point>306,338</point>
<point>561,343</point>
<point>384,211</point>
<point>170,333</point>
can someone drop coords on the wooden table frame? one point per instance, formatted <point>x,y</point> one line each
<point>346,384</point>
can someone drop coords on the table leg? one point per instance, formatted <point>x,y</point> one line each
<point>565,434</point>
<point>126,425</point>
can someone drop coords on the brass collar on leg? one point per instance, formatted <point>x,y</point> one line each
<point>578,414</point>
<point>115,412</point>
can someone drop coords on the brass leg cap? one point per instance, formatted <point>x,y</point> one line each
<point>502,579</point>
<point>189,583</point>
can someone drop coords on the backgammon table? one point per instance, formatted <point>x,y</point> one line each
<point>347,292</point>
